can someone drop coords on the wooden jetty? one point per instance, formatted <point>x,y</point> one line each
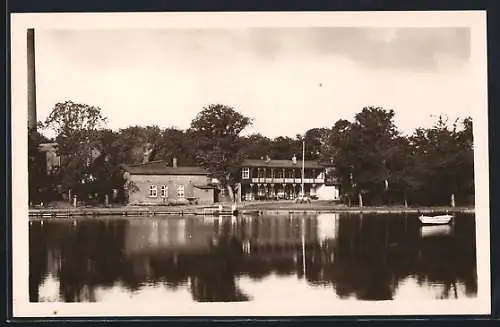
<point>224,211</point>
<point>131,211</point>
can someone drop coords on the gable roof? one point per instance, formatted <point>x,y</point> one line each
<point>281,163</point>
<point>162,167</point>
<point>206,187</point>
<point>48,147</point>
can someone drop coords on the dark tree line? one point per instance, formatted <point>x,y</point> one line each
<point>376,164</point>
<point>373,162</point>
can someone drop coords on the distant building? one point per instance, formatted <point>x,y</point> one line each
<point>51,158</point>
<point>50,154</point>
<point>157,183</point>
<point>282,179</point>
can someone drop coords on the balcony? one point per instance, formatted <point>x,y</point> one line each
<point>287,180</point>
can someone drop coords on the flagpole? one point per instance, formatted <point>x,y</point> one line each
<point>303,159</point>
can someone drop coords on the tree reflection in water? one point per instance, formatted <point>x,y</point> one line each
<point>361,257</point>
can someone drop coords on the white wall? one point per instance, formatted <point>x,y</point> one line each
<point>327,192</point>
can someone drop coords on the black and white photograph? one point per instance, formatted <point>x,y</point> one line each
<point>250,164</point>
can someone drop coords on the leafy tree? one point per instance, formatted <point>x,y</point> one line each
<point>373,135</point>
<point>137,144</point>
<point>285,147</point>
<point>37,171</point>
<point>132,145</point>
<point>217,129</point>
<point>175,143</point>
<point>338,151</point>
<point>446,153</point>
<point>316,139</point>
<point>255,146</point>
<point>77,134</point>
<point>360,152</point>
<point>405,172</point>
<point>337,136</point>
<point>465,158</point>
<point>104,170</point>
<point>68,118</point>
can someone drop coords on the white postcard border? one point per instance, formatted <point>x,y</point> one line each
<point>476,20</point>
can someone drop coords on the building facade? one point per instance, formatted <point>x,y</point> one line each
<point>282,179</point>
<point>51,158</point>
<point>158,183</point>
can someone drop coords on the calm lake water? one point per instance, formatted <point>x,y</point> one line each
<point>181,259</point>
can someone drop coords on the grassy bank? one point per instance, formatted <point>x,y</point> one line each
<point>329,206</point>
<point>244,208</point>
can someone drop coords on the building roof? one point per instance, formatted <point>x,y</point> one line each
<point>48,147</point>
<point>163,168</point>
<point>281,163</point>
<point>205,187</point>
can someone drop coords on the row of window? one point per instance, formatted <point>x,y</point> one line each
<point>245,174</point>
<point>153,191</point>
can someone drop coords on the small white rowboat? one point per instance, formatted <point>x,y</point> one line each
<point>435,220</point>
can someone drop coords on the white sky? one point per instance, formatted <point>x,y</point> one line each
<point>288,79</point>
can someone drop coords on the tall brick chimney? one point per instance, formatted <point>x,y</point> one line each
<point>174,162</point>
<point>31,79</point>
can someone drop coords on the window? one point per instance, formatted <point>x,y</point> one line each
<point>153,191</point>
<point>180,191</point>
<point>245,173</point>
<point>163,191</point>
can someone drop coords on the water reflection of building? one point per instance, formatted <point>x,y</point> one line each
<point>363,257</point>
<point>168,235</point>
<point>279,230</point>
<point>188,234</point>
<point>328,226</point>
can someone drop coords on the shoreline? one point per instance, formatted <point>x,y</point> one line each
<point>251,209</point>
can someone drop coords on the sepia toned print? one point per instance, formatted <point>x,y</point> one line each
<point>220,168</point>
